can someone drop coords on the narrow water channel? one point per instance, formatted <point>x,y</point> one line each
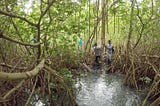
<point>105,90</point>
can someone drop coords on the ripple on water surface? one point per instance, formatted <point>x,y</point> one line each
<point>105,90</point>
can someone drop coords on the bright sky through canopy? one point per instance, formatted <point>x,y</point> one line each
<point>28,4</point>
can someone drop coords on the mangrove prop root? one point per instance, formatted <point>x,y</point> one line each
<point>60,79</point>
<point>136,66</point>
<point>29,74</point>
<point>33,89</point>
<point>12,91</point>
<point>156,102</point>
<point>152,88</point>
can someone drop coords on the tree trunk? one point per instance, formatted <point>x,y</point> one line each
<point>114,10</point>
<point>97,8</point>
<point>103,25</point>
<point>130,27</point>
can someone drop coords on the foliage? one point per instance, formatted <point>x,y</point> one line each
<point>146,80</point>
<point>58,24</point>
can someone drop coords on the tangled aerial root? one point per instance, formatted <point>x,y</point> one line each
<point>135,67</point>
<point>30,78</point>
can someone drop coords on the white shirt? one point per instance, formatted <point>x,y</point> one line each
<point>109,48</point>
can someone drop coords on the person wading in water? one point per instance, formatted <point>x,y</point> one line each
<point>97,53</point>
<point>109,52</point>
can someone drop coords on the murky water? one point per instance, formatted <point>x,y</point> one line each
<point>105,90</point>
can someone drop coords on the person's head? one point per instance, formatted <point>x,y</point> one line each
<point>95,44</point>
<point>109,41</point>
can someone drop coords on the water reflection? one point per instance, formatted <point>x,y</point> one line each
<point>105,90</point>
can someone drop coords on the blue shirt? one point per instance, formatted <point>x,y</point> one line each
<point>80,42</point>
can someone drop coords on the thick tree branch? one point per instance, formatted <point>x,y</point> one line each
<point>16,16</point>
<point>39,27</point>
<point>23,75</point>
<point>18,42</point>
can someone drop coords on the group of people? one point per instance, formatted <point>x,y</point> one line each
<point>109,49</point>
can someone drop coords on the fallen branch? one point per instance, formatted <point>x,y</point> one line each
<point>23,75</point>
<point>88,68</point>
